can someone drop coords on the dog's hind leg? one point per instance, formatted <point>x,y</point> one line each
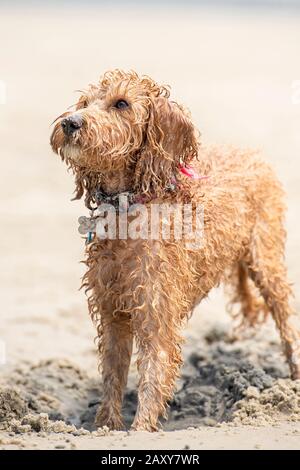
<point>115,349</point>
<point>268,271</point>
<point>246,303</point>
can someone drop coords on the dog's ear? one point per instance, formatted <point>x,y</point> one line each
<point>171,139</point>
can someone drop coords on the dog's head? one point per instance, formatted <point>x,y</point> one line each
<point>126,122</point>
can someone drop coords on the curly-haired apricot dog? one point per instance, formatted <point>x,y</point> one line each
<point>127,137</point>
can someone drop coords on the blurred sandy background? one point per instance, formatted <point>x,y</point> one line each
<point>233,67</point>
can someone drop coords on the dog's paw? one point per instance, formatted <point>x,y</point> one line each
<point>113,422</point>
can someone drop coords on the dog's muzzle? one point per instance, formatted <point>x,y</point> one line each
<point>71,124</point>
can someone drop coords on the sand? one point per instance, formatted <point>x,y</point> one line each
<point>234,69</point>
<point>224,385</point>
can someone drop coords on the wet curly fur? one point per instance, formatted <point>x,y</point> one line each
<point>146,289</point>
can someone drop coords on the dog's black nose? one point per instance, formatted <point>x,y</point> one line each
<point>71,124</point>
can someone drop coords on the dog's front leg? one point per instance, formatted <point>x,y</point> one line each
<point>115,349</point>
<point>159,359</point>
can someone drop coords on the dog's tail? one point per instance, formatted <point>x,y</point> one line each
<point>246,305</point>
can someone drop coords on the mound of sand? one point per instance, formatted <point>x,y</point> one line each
<point>280,401</point>
<point>56,390</point>
<point>222,381</point>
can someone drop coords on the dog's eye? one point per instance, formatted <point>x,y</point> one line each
<point>121,104</point>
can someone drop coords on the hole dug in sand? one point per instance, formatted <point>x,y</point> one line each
<point>239,383</point>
